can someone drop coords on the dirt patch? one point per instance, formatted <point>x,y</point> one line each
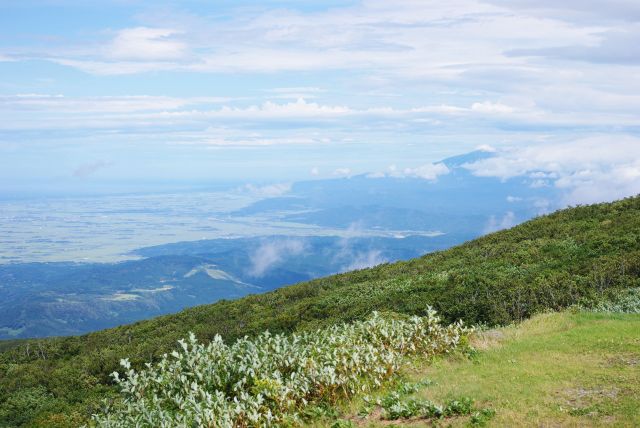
<point>583,397</point>
<point>629,360</point>
<point>375,415</point>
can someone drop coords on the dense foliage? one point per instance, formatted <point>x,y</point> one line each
<point>627,302</point>
<point>572,256</point>
<point>268,380</point>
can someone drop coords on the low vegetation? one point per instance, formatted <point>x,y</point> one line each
<point>557,369</point>
<point>271,379</point>
<point>570,368</point>
<point>626,301</point>
<point>578,256</point>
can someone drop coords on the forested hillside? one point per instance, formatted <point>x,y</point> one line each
<point>573,256</point>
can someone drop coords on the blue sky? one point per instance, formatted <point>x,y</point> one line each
<point>131,91</point>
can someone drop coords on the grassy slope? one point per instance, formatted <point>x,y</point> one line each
<point>549,262</point>
<point>560,369</point>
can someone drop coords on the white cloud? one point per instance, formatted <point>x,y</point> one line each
<point>105,104</point>
<point>587,170</point>
<point>616,47</point>
<point>306,89</point>
<point>114,68</point>
<point>342,172</point>
<point>578,10</point>
<point>363,260</point>
<point>299,108</point>
<point>429,172</point>
<point>505,222</point>
<point>271,253</point>
<point>466,70</point>
<point>395,38</point>
<point>491,108</point>
<point>304,92</point>
<point>146,44</point>
<point>376,175</point>
<point>605,184</point>
<point>485,148</point>
<point>268,191</point>
<point>559,157</point>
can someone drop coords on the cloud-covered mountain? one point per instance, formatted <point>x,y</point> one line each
<point>456,202</point>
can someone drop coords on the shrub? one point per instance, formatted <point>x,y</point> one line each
<point>270,379</point>
<point>626,301</point>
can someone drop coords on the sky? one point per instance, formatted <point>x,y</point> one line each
<point>115,92</point>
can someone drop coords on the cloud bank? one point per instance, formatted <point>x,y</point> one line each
<point>587,170</point>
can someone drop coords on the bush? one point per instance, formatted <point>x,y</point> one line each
<point>269,380</point>
<point>625,301</point>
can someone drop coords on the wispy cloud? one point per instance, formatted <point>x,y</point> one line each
<point>146,44</point>
<point>271,253</point>
<point>495,224</point>
<point>367,259</point>
<point>47,103</point>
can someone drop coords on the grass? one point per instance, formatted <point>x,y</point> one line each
<point>556,369</point>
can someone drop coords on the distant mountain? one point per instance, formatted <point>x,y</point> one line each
<point>52,299</point>
<point>457,203</point>
<point>44,299</point>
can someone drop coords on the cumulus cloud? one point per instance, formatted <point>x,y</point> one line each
<point>298,108</point>
<point>485,148</point>
<point>154,110</point>
<point>429,172</point>
<point>587,170</point>
<point>272,253</point>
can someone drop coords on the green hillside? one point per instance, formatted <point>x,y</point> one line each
<point>581,254</point>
